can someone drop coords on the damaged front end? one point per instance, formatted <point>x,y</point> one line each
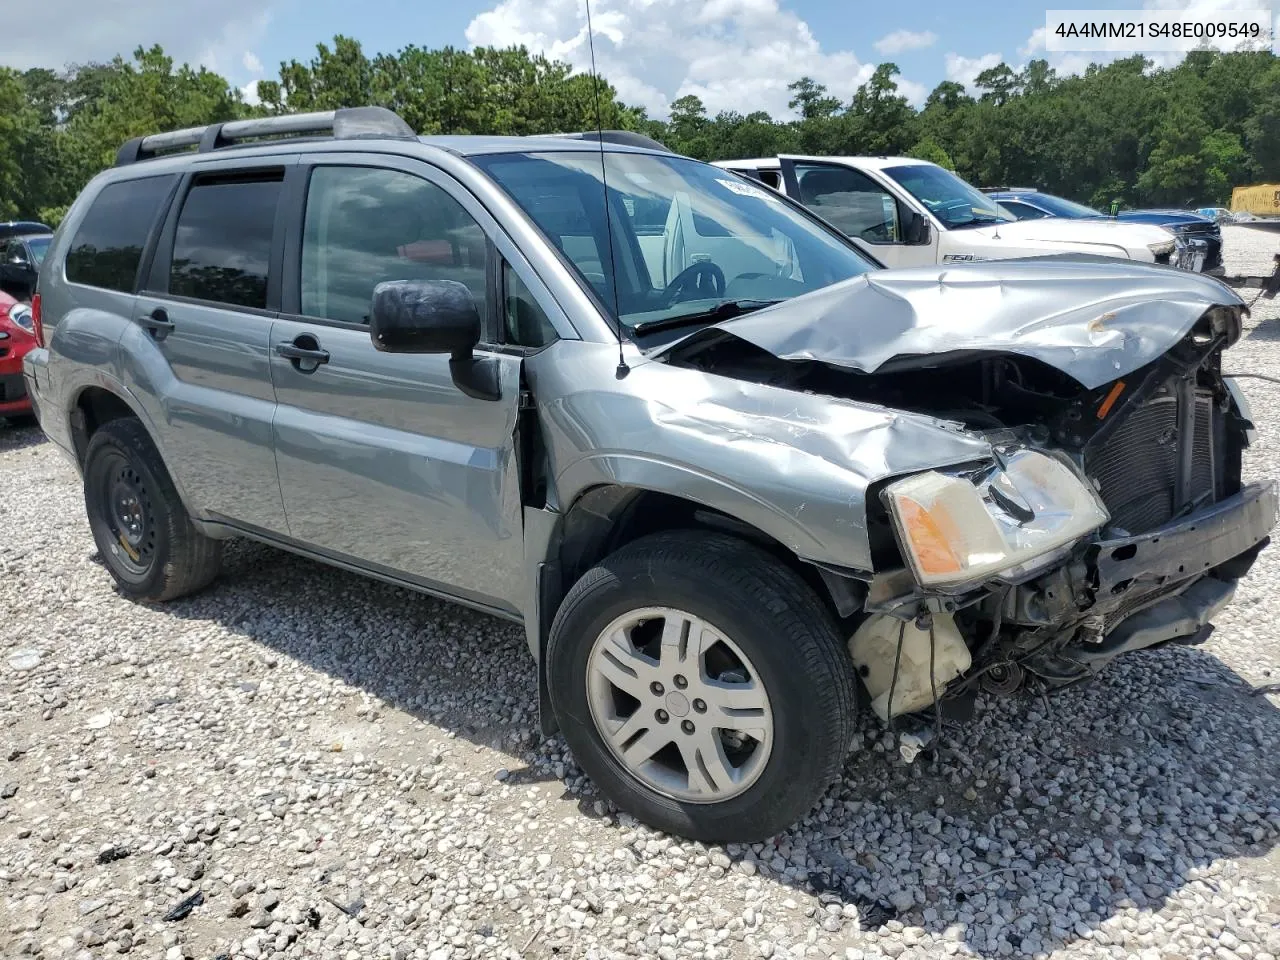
<point>1162,450</point>
<point>1112,515</point>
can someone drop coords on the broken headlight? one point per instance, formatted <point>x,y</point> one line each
<point>1005,523</point>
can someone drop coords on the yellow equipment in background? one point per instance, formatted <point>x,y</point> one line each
<point>1262,200</point>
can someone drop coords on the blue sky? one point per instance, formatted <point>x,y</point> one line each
<point>735,54</point>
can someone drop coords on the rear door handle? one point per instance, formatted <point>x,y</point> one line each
<point>158,322</point>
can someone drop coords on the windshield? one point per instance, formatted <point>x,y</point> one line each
<point>691,242</point>
<point>39,247</point>
<point>948,198</point>
<point>1065,208</point>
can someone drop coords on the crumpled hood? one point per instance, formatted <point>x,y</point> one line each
<point>1094,319</point>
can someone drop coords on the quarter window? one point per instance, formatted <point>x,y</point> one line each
<point>223,243</point>
<point>108,244</point>
<point>366,225</point>
<point>527,325</point>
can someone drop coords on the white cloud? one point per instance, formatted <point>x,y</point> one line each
<point>733,54</point>
<point>901,40</point>
<point>965,69</point>
<point>54,33</point>
<point>916,93</point>
<point>1035,43</point>
<point>251,62</point>
<point>250,93</point>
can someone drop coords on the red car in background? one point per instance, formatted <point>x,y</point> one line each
<point>17,336</point>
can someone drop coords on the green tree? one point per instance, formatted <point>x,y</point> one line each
<point>927,148</point>
<point>883,121</point>
<point>809,99</point>
<point>1125,130</point>
<point>998,84</point>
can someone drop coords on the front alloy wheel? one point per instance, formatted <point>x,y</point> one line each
<point>680,705</point>
<point>702,685</point>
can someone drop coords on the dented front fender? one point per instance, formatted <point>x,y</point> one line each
<point>796,466</point>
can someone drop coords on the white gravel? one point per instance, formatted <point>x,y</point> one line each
<point>344,770</point>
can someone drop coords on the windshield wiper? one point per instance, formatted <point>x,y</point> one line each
<point>725,310</point>
<point>978,221</point>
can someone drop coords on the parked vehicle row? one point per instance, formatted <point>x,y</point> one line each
<point>1201,234</point>
<point>907,212</point>
<point>733,476</point>
<point>20,259</point>
<point>17,337</point>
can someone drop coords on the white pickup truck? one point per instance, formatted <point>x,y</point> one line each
<point>909,213</point>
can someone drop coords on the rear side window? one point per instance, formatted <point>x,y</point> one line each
<point>223,242</point>
<point>108,244</point>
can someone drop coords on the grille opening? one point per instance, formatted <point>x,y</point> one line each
<point>1136,467</point>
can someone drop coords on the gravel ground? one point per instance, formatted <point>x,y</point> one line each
<point>335,768</point>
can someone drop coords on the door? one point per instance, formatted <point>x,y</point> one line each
<point>202,340</point>
<point>864,210</point>
<point>383,460</point>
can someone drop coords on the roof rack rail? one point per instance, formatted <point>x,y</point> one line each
<point>627,138</point>
<point>345,123</point>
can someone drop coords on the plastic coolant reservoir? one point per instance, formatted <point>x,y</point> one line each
<point>875,644</point>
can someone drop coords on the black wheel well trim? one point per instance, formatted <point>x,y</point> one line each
<point>606,517</point>
<point>95,405</point>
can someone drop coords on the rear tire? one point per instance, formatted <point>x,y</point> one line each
<point>702,686</point>
<point>143,532</point>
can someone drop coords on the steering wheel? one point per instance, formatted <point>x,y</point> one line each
<point>702,280</point>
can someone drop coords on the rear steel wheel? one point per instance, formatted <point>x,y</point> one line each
<point>144,535</point>
<point>126,508</point>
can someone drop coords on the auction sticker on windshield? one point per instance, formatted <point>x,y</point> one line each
<point>1135,31</point>
<point>744,189</point>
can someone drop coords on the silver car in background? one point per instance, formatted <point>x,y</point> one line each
<point>733,478</point>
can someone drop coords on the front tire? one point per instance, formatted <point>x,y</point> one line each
<point>702,686</point>
<point>143,532</point>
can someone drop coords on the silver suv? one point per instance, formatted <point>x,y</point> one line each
<point>732,477</point>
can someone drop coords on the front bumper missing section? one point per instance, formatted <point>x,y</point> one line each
<point>1189,547</point>
<point>1184,568</point>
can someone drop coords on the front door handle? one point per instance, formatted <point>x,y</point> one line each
<point>303,352</point>
<point>158,323</point>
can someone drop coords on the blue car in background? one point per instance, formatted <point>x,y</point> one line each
<point>1024,203</point>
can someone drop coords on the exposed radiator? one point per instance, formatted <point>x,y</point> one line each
<point>1137,467</point>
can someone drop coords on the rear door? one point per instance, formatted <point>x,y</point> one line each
<point>384,462</point>
<point>855,204</point>
<point>201,340</point>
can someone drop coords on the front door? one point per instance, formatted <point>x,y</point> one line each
<point>858,207</point>
<point>198,351</point>
<point>383,460</point>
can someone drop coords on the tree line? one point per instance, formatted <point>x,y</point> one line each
<point>1122,131</point>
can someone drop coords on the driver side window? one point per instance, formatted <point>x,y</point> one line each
<point>851,201</point>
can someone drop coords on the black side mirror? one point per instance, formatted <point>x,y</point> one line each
<point>916,231</point>
<point>18,260</point>
<point>434,316</point>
